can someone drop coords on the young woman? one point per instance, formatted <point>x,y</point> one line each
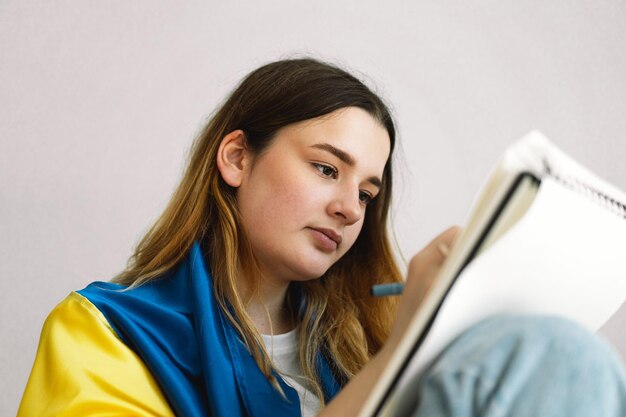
<point>250,294</point>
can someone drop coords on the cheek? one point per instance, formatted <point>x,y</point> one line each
<point>352,233</point>
<point>275,203</point>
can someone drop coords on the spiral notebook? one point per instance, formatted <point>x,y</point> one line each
<point>545,236</point>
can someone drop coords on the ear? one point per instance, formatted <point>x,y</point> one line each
<point>232,157</point>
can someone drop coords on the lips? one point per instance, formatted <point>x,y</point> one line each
<point>327,239</point>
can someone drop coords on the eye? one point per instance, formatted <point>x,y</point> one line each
<point>365,197</point>
<point>326,170</point>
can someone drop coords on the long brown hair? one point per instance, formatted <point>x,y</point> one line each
<point>336,314</point>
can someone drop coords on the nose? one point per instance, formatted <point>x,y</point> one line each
<point>347,206</point>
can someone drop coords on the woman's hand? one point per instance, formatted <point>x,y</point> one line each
<point>423,269</point>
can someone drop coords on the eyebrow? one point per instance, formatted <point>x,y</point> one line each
<point>346,158</point>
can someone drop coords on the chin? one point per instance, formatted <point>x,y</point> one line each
<point>311,271</point>
<point>310,275</point>
<point>309,265</point>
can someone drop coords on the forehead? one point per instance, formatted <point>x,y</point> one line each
<point>352,130</point>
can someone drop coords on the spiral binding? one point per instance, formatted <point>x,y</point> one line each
<point>592,193</point>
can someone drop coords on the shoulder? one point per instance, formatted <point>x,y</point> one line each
<point>78,312</point>
<point>171,290</point>
<point>78,334</point>
<point>80,359</point>
<point>73,318</point>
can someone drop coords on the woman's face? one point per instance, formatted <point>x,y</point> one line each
<point>303,200</point>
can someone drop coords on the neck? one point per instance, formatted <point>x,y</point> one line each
<point>267,307</point>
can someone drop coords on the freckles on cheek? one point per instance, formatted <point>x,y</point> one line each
<point>293,200</point>
<point>292,192</point>
<point>278,202</point>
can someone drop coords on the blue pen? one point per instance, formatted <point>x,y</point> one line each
<point>383,290</point>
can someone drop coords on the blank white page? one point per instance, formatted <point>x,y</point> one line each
<point>566,257</point>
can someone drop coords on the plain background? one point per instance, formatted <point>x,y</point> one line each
<point>99,102</point>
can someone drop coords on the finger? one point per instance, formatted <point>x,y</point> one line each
<point>447,239</point>
<point>444,249</point>
<point>440,247</point>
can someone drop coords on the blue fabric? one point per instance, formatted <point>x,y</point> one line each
<point>520,366</point>
<point>176,326</point>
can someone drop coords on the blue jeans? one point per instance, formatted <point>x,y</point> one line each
<point>524,366</point>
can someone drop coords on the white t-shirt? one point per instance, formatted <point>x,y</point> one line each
<point>283,349</point>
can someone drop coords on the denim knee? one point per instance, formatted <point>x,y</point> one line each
<point>524,365</point>
<point>528,338</point>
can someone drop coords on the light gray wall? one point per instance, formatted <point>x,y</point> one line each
<point>100,101</point>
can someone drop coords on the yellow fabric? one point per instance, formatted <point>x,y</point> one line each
<point>83,369</point>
